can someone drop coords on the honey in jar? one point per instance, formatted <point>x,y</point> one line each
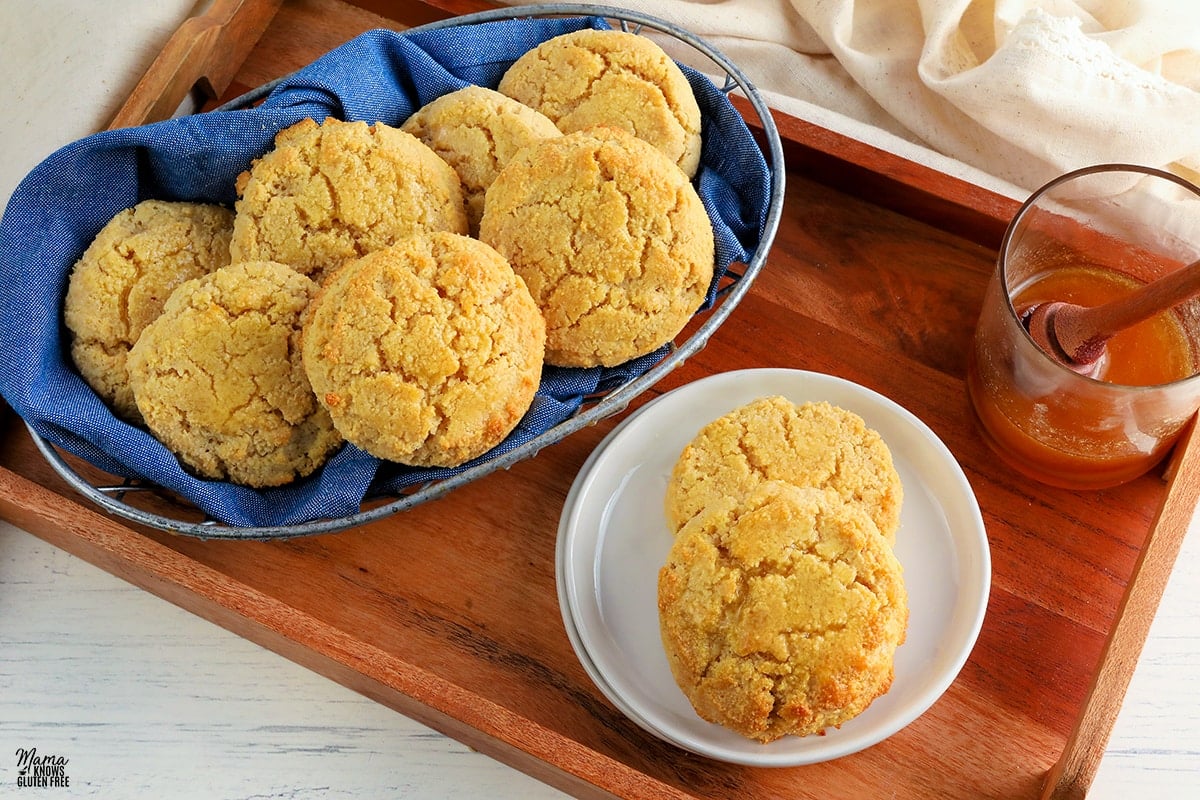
<point>1066,429</point>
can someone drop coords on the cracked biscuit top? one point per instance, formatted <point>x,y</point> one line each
<point>476,131</point>
<point>772,438</point>
<point>121,282</point>
<point>781,611</point>
<point>219,381</point>
<point>427,353</point>
<point>611,238</point>
<point>610,77</point>
<point>332,192</point>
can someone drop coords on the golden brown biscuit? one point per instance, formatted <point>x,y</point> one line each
<point>219,380</point>
<point>427,353</point>
<point>612,240</point>
<point>121,282</point>
<point>781,612</point>
<point>616,78</point>
<point>332,192</point>
<point>772,438</point>
<point>477,131</point>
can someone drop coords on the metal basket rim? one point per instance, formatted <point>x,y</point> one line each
<point>612,403</point>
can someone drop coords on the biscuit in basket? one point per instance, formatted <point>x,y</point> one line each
<point>781,611</point>
<point>610,77</point>
<point>771,438</point>
<point>119,285</point>
<point>427,353</point>
<point>331,192</point>
<point>612,240</point>
<point>476,131</point>
<point>219,380</point>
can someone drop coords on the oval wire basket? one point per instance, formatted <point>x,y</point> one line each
<point>113,497</point>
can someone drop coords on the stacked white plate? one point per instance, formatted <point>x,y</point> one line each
<point>613,538</point>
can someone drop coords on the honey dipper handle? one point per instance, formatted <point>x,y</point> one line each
<point>1082,329</point>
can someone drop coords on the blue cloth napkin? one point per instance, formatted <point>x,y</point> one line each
<point>379,76</point>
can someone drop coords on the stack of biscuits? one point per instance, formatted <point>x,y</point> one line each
<point>401,288</point>
<point>781,602</point>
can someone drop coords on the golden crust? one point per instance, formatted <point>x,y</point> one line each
<point>121,282</point>
<point>427,353</point>
<point>614,78</point>
<point>477,131</point>
<point>332,192</point>
<point>772,438</point>
<point>612,240</point>
<point>781,611</point>
<point>219,381</point>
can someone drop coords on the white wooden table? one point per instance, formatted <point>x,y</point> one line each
<point>144,699</point>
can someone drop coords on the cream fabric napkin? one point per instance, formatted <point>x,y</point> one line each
<point>1006,93</point>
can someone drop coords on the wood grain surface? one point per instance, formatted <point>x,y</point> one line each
<point>193,64</point>
<point>880,287</point>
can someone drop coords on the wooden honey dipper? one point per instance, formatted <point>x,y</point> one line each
<point>1076,335</point>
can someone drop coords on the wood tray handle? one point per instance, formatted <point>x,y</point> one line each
<point>203,55</point>
<point>1071,777</point>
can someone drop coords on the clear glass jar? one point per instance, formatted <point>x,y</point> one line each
<point>1087,237</point>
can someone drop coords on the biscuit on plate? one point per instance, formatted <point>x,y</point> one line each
<point>807,444</point>
<point>781,611</point>
<point>427,353</point>
<point>610,77</point>
<point>476,131</point>
<point>332,192</point>
<point>219,380</point>
<point>612,240</point>
<point>121,282</point>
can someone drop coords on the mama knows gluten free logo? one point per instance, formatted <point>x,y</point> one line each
<point>38,771</point>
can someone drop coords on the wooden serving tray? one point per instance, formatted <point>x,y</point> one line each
<point>449,613</point>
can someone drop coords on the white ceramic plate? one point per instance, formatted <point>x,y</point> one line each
<point>613,538</point>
